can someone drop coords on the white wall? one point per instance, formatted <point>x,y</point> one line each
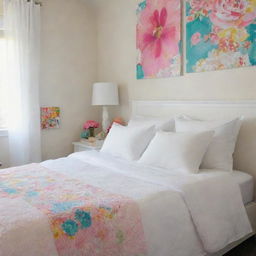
<point>1,7</point>
<point>68,70</point>
<point>116,22</point>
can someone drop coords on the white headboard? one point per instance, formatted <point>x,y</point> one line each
<point>245,154</point>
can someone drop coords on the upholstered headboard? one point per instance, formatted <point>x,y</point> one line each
<point>245,153</point>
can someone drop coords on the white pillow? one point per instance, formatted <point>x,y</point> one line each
<point>127,142</point>
<point>179,151</point>
<point>163,124</point>
<point>220,152</point>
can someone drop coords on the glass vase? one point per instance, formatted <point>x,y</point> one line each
<point>91,132</point>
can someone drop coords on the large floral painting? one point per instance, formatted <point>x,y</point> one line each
<point>159,39</point>
<point>221,34</point>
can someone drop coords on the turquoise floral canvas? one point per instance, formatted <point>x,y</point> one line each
<point>221,34</point>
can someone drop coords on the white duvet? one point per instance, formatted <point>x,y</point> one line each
<point>182,215</point>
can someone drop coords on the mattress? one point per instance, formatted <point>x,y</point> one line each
<point>246,184</point>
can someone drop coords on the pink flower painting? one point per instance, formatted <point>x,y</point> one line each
<point>158,39</point>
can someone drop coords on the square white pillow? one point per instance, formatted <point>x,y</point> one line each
<point>161,123</point>
<point>220,152</point>
<point>127,142</point>
<point>179,151</point>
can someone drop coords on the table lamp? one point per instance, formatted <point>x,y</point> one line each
<point>105,94</point>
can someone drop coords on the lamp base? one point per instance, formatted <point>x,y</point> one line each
<point>105,119</point>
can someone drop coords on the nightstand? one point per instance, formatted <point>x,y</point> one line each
<point>86,146</point>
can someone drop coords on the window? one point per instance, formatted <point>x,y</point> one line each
<point>3,94</point>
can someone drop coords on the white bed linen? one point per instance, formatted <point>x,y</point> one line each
<point>246,184</point>
<point>215,207</point>
<point>122,141</point>
<point>220,151</point>
<point>168,202</point>
<point>174,150</point>
<point>161,124</point>
<point>244,180</point>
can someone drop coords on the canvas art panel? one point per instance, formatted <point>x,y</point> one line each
<point>221,34</point>
<point>50,117</point>
<point>158,39</point>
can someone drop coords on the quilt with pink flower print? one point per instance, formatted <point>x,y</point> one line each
<point>158,39</point>
<point>84,220</point>
<point>221,34</point>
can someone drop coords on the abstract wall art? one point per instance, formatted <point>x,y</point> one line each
<point>50,117</point>
<point>221,34</point>
<point>158,39</point>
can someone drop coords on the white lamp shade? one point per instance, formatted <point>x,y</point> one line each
<point>105,94</point>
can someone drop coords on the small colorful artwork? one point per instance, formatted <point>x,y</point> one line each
<point>159,39</point>
<point>50,117</point>
<point>221,34</point>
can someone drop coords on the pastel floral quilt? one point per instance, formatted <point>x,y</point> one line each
<point>83,219</point>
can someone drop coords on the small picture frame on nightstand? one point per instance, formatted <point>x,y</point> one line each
<point>85,145</point>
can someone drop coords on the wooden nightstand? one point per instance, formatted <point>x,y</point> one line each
<point>86,146</point>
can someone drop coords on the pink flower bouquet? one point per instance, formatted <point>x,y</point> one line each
<point>91,124</point>
<point>89,127</point>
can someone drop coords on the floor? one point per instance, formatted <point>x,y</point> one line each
<point>247,248</point>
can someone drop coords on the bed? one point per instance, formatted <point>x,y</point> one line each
<point>91,203</point>
<point>246,145</point>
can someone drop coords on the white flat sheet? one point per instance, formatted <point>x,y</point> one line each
<point>244,180</point>
<point>246,184</point>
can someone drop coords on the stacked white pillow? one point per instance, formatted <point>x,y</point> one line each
<point>180,151</point>
<point>161,124</point>
<point>196,144</point>
<point>128,142</point>
<point>220,151</point>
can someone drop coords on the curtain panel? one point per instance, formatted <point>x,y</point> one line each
<point>22,36</point>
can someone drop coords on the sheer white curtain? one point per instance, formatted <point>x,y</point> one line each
<point>22,34</point>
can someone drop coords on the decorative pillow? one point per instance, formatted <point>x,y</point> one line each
<point>220,152</point>
<point>163,124</point>
<point>127,142</point>
<point>179,151</point>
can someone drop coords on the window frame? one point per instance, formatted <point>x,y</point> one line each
<point>3,131</point>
